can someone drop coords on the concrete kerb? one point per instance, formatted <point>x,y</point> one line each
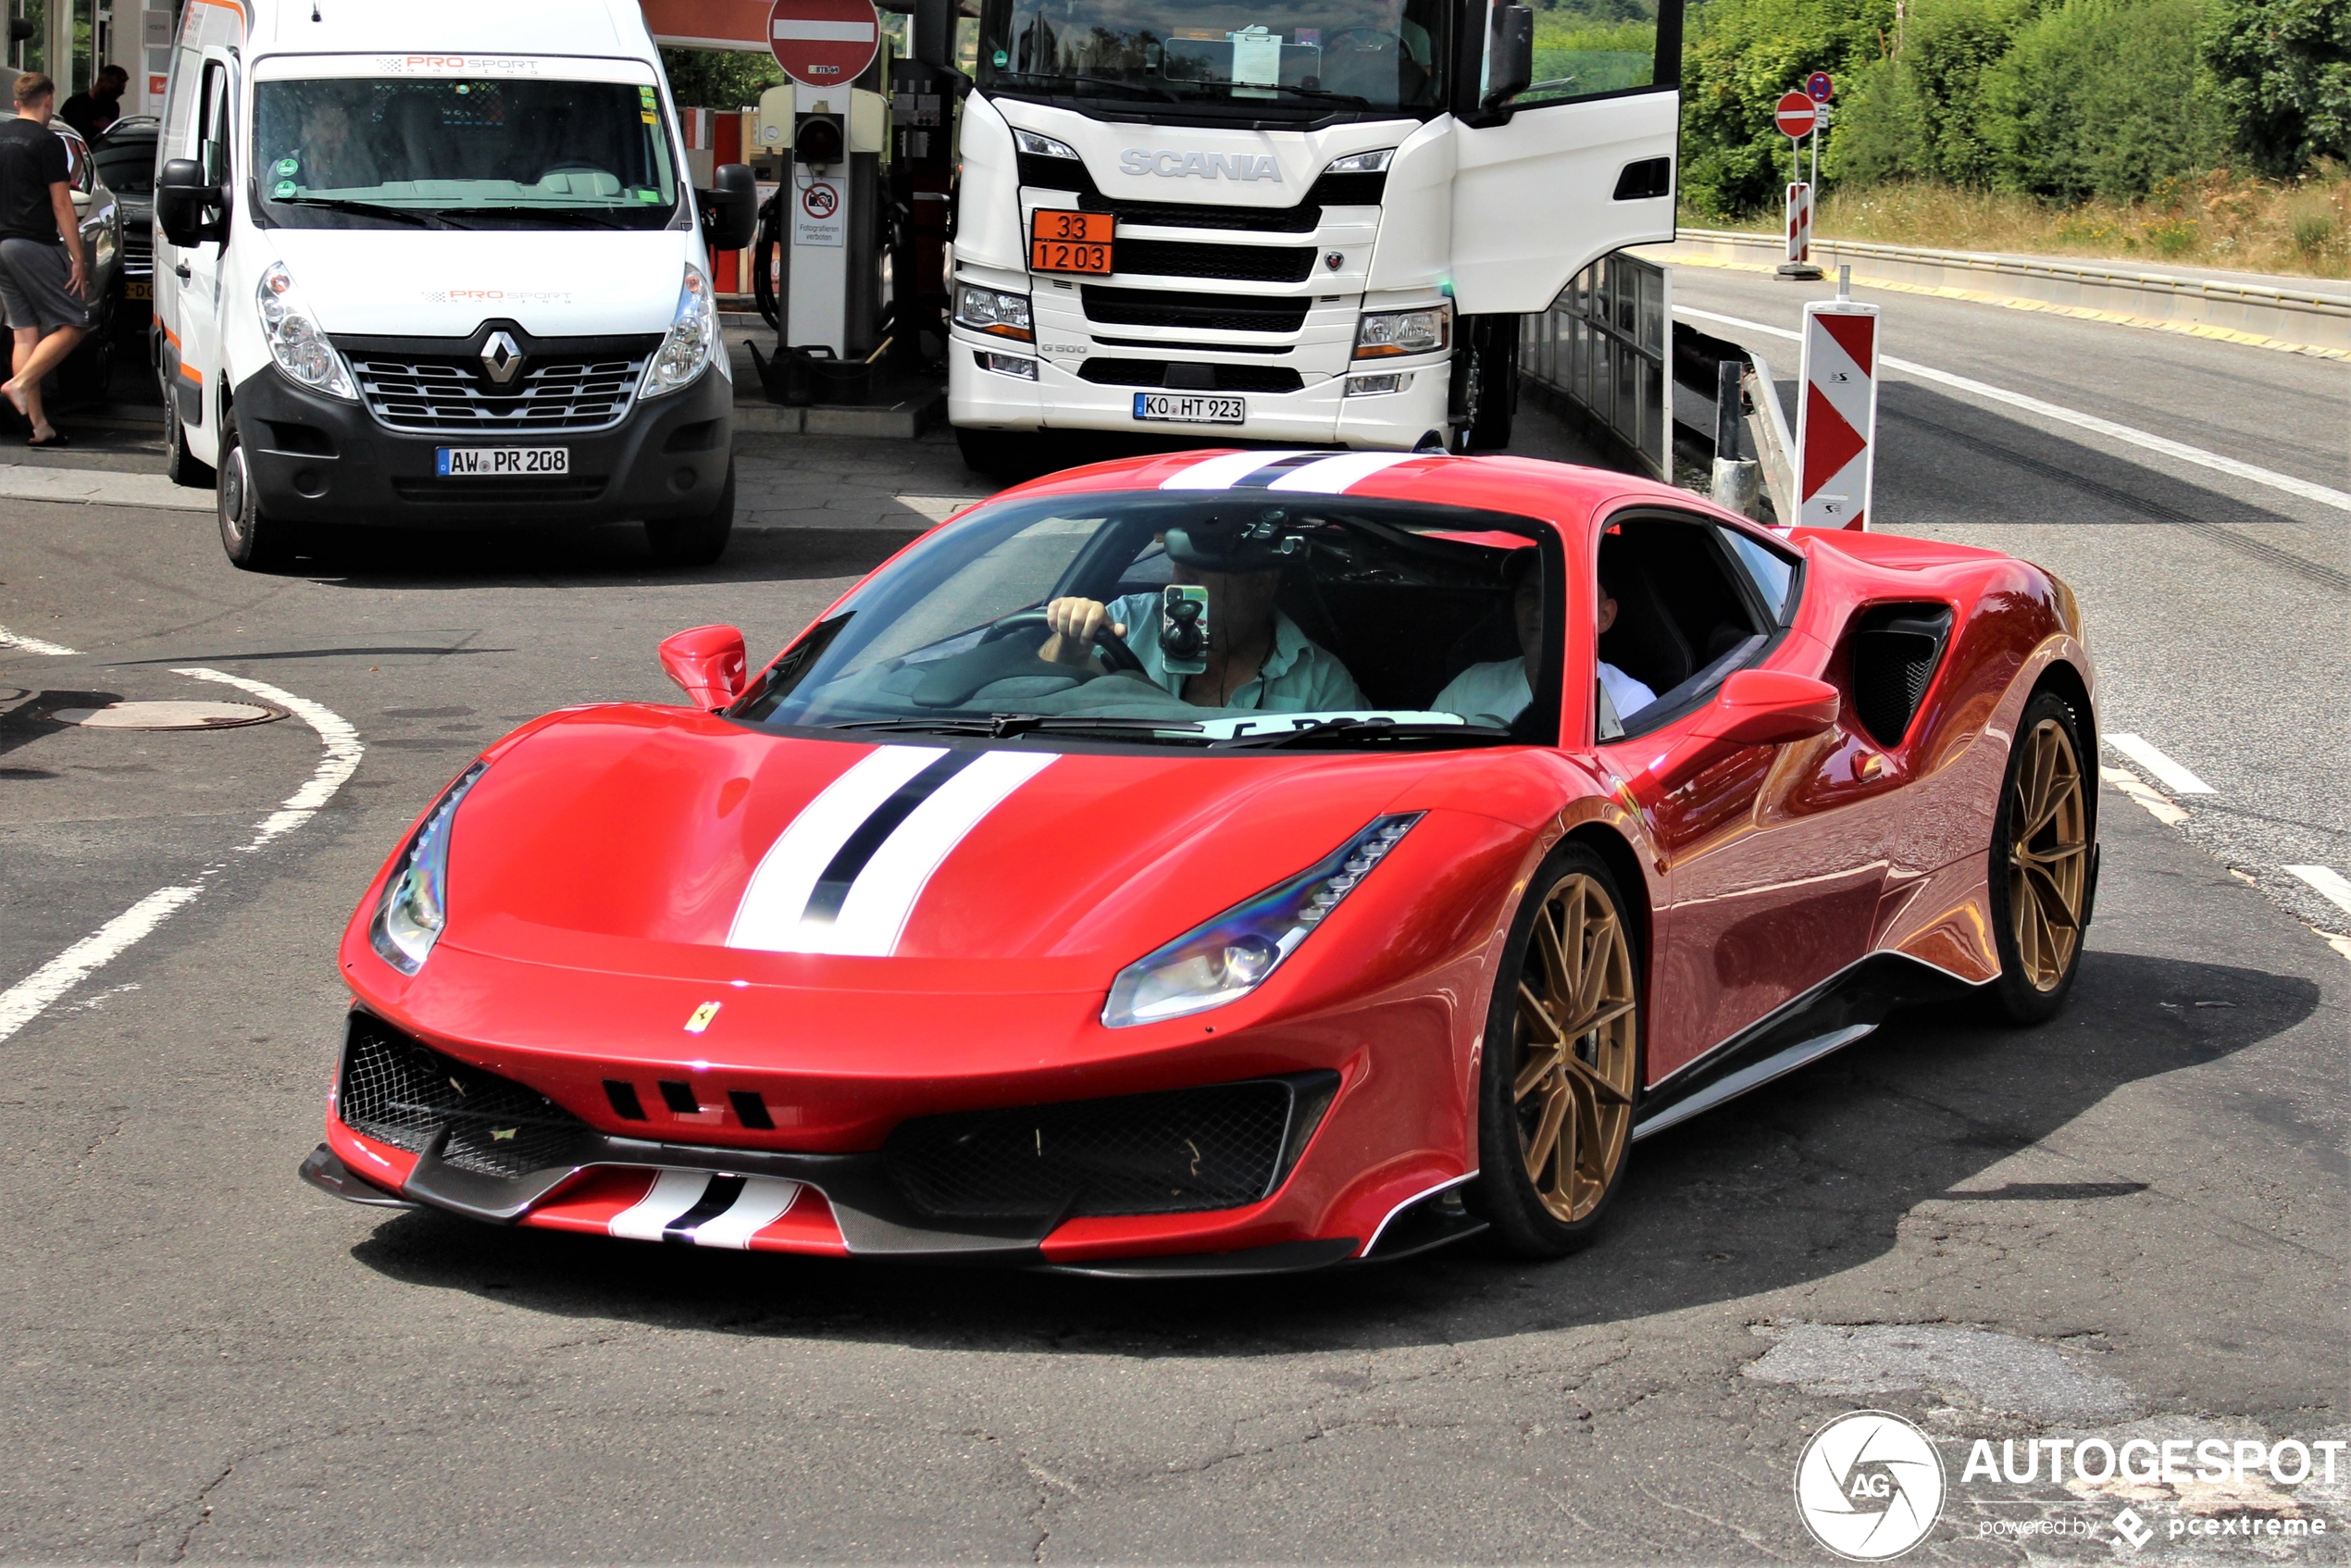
<point>2295,320</point>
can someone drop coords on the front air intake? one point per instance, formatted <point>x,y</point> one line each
<point>401,1091</point>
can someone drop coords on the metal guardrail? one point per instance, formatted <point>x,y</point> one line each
<point>1605,348</point>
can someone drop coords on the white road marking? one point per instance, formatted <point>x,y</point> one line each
<point>33,995</point>
<point>2130,784</point>
<point>938,508</point>
<point>2169,774</point>
<point>2327,882</point>
<point>24,644</point>
<point>2152,442</point>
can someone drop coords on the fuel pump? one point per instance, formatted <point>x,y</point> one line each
<point>924,93</point>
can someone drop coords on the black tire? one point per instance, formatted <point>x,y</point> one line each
<point>252,540</point>
<point>179,465</point>
<point>1001,455</point>
<point>2050,879</point>
<point>1548,1211</point>
<point>696,541</point>
<point>1497,385</point>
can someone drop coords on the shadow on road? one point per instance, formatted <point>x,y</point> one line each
<point>376,559</point>
<point>1802,1180</point>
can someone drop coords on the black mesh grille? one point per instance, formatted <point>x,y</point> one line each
<point>1205,313</point>
<point>1222,378</point>
<point>402,1092</point>
<point>1894,654</point>
<point>138,250</point>
<point>1197,1149</point>
<point>476,493</point>
<point>419,388</point>
<point>1179,259</point>
<point>1188,215</point>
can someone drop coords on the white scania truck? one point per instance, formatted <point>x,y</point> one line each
<point>1315,222</point>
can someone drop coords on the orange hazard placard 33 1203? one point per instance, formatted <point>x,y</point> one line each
<point>1070,241</point>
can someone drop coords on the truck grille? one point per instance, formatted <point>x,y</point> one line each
<point>401,1091</point>
<point>1179,259</point>
<point>1179,1152</point>
<point>1200,313</point>
<point>1182,215</point>
<point>441,391</point>
<point>1228,378</point>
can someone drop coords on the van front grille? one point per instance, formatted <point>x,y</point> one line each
<point>437,391</point>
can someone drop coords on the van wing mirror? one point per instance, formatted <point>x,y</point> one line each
<point>707,663</point>
<point>183,204</point>
<point>729,209</point>
<point>1511,58</point>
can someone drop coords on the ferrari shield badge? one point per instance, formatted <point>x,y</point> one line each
<point>702,1017</point>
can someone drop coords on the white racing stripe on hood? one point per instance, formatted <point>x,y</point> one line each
<point>1223,473</point>
<point>1333,475</point>
<point>780,889</point>
<point>845,876</point>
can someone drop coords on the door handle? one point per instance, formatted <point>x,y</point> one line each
<point>180,268</point>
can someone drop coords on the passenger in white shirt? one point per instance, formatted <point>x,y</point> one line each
<point>1498,692</point>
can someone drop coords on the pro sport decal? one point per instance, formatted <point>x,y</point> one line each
<point>705,1209</point>
<point>1317,473</point>
<point>848,871</point>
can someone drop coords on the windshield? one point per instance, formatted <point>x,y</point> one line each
<point>1199,620</point>
<point>362,152</point>
<point>128,166</point>
<point>1380,55</point>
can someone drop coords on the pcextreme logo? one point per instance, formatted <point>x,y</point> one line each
<point>1869,1486</point>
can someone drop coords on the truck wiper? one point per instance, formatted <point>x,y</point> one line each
<point>415,216</point>
<point>1323,93</point>
<point>1351,732</point>
<point>999,725</point>
<point>1141,87</point>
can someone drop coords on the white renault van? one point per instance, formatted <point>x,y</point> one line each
<point>438,263</point>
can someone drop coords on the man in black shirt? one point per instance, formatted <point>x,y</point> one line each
<point>42,277</point>
<point>99,105</point>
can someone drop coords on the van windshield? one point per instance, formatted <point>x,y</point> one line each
<point>351,152</point>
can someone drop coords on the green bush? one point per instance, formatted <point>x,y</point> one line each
<point>1917,114</point>
<point>1739,57</point>
<point>2284,70</point>
<point>2101,98</point>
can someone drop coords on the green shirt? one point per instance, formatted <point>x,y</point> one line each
<point>1297,678</point>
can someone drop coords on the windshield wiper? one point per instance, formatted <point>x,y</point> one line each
<point>1369,731</point>
<point>587,217</point>
<point>1324,94</point>
<point>1141,87</point>
<point>418,216</point>
<point>999,725</point>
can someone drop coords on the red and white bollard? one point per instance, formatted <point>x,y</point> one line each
<point>1799,223</point>
<point>1836,418</point>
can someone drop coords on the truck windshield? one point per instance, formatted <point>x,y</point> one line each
<point>399,153</point>
<point>1315,56</point>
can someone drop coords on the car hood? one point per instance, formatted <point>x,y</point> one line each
<point>654,840</point>
<point>445,283</point>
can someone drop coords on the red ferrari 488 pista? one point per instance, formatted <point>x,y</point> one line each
<point>1225,863</point>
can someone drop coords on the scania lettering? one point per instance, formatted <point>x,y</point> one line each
<point>439,265</point>
<point>1317,223</point>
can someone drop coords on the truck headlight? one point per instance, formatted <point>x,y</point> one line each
<point>1037,146</point>
<point>990,310</point>
<point>1361,163</point>
<point>300,350</point>
<point>1233,953</point>
<point>1427,331</point>
<point>693,337</point>
<point>416,901</point>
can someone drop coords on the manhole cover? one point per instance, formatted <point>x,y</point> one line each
<point>168,715</point>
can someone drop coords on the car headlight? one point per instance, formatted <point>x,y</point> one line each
<point>1233,953</point>
<point>416,901</point>
<point>300,350</point>
<point>1427,331</point>
<point>693,337</point>
<point>990,310</point>
<point>1042,146</point>
<point>1361,163</point>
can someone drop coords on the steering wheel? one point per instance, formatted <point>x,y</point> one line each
<point>1112,648</point>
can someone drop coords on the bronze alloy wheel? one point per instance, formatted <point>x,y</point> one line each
<point>2048,854</point>
<point>1576,1048</point>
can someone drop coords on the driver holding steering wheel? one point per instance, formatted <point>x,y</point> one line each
<point>1257,657</point>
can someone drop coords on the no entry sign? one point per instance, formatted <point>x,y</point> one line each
<point>1795,115</point>
<point>824,42</point>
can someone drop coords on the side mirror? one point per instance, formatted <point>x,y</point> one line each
<point>707,663</point>
<point>730,209</point>
<point>181,196</point>
<point>1512,56</point>
<point>1765,708</point>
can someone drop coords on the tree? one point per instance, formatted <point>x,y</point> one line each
<point>715,78</point>
<point>2283,68</point>
<point>1741,56</point>
<point>2101,98</point>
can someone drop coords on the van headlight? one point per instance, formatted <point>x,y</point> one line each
<point>1235,953</point>
<point>415,899</point>
<point>692,340</point>
<point>300,350</point>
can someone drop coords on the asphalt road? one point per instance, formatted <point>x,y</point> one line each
<point>2131,1222</point>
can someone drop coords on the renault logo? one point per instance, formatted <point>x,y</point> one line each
<point>502,358</point>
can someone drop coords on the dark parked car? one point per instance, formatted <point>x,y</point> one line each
<point>126,155</point>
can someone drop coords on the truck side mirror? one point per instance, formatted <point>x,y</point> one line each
<point>181,197</point>
<point>730,209</point>
<point>1512,56</point>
